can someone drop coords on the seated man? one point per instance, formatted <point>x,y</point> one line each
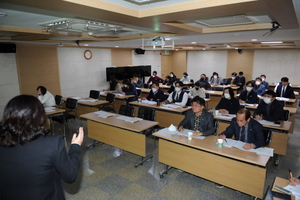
<point>155,93</point>
<point>240,80</point>
<point>137,81</point>
<point>264,82</point>
<point>232,81</point>
<point>155,78</point>
<point>198,119</point>
<point>245,129</point>
<point>197,90</point>
<point>284,89</point>
<point>129,89</point>
<point>259,88</point>
<point>178,97</point>
<point>269,109</point>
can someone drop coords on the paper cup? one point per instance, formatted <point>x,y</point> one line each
<point>217,112</point>
<point>220,142</point>
<point>190,135</point>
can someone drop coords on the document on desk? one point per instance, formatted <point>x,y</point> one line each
<point>149,102</point>
<point>103,92</point>
<point>103,114</point>
<point>295,190</point>
<point>88,100</point>
<point>49,109</point>
<point>282,99</point>
<point>130,119</point>
<point>120,95</point>
<point>210,92</point>
<point>170,106</point>
<point>184,133</point>
<point>226,116</point>
<point>77,98</point>
<point>267,123</point>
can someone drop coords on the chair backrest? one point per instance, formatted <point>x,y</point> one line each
<point>71,103</point>
<point>147,113</point>
<point>94,94</point>
<point>110,97</point>
<point>192,80</point>
<point>139,93</point>
<point>206,95</point>
<point>216,125</point>
<point>126,110</point>
<point>58,100</point>
<point>286,114</point>
<point>267,136</point>
<point>189,102</point>
<point>146,85</point>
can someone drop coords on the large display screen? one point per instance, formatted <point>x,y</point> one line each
<point>121,73</point>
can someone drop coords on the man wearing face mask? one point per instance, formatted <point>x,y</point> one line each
<point>155,93</point>
<point>178,97</point>
<point>228,104</point>
<point>259,88</point>
<point>269,109</point>
<point>198,90</point>
<point>155,78</point>
<point>129,89</point>
<point>284,89</point>
<point>264,82</point>
<point>248,95</point>
<point>232,81</point>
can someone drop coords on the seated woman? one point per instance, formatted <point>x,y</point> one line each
<point>198,119</point>
<point>32,162</point>
<point>248,95</point>
<point>129,89</point>
<point>114,85</point>
<point>170,79</point>
<point>228,104</point>
<point>185,77</point>
<point>45,97</point>
<point>215,79</point>
<point>198,90</point>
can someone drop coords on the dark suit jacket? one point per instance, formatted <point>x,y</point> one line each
<point>229,81</point>
<point>159,95</point>
<point>206,122</point>
<point>232,105</point>
<point>34,170</point>
<point>255,132</point>
<point>289,92</point>
<point>130,91</point>
<point>240,81</point>
<point>276,111</point>
<point>250,97</point>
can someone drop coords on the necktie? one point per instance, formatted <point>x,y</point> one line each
<point>243,134</point>
<point>268,109</point>
<point>177,96</point>
<point>283,91</point>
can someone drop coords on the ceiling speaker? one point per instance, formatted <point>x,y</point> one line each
<point>240,51</point>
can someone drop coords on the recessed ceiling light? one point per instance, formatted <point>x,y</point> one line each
<point>203,49</point>
<point>167,38</point>
<point>176,49</point>
<point>117,46</point>
<point>236,48</point>
<point>228,46</point>
<point>86,45</point>
<point>274,42</point>
<point>193,42</point>
<point>253,40</point>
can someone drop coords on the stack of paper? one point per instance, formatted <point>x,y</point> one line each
<point>267,123</point>
<point>295,190</point>
<point>103,114</point>
<point>282,99</point>
<point>171,106</point>
<point>88,100</point>
<point>103,92</point>
<point>120,95</point>
<point>211,92</point>
<point>49,109</point>
<point>76,98</point>
<point>148,102</point>
<point>130,119</point>
<point>184,133</point>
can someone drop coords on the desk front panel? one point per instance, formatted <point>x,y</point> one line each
<point>241,176</point>
<point>129,141</point>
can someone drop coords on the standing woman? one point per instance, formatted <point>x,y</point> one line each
<point>32,162</point>
<point>45,97</point>
<point>228,104</point>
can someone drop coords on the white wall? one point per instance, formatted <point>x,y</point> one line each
<point>152,58</point>
<point>9,84</point>
<point>276,64</point>
<point>206,62</point>
<point>77,75</point>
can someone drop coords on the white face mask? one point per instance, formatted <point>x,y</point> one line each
<point>248,89</point>
<point>171,75</point>
<point>125,85</point>
<point>267,100</point>
<point>257,83</point>
<point>177,89</point>
<point>233,77</point>
<point>215,77</point>
<point>153,76</point>
<point>154,90</point>
<point>263,79</point>
<point>226,95</point>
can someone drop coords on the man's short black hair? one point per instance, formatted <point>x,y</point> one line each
<point>284,79</point>
<point>156,83</point>
<point>250,82</point>
<point>258,78</point>
<point>43,89</point>
<point>270,92</point>
<point>198,100</point>
<point>154,72</point>
<point>233,73</point>
<point>198,84</point>
<point>184,73</point>
<point>241,73</point>
<point>263,75</point>
<point>180,83</point>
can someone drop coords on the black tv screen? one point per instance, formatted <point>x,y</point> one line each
<point>121,73</point>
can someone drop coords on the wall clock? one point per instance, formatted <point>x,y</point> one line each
<point>88,54</point>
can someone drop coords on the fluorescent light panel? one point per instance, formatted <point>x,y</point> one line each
<point>274,42</point>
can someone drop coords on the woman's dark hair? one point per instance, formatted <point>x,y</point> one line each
<point>250,82</point>
<point>198,84</point>
<point>230,92</point>
<point>126,81</point>
<point>198,100</point>
<point>43,89</point>
<point>180,83</point>
<point>23,121</point>
<point>184,73</point>
<point>112,83</point>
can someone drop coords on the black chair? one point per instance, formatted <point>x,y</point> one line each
<point>286,114</point>
<point>126,110</point>
<point>94,94</point>
<point>110,97</point>
<point>189,102</point>
<point>206,95</point>
<point>58,100</point>
<point>267,136</point>
<point>71,105</point>
<point>147,113</point>
<point>146,85</point>
<point>216,125</point>
<point>139,93</point>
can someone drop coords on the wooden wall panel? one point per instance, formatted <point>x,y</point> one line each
<point>166,63</point>
<point>240,62</point>
<point>38,65</point>
<point>179,63</point>
<point>121,57</point>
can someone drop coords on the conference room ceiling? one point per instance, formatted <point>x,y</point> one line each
<point>191,24</point>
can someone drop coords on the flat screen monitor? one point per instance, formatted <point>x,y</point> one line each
<point>121,73</point>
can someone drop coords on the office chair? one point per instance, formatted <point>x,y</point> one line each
<point>267,136</point>
<point>111,100</point>
<point>286,114</point>
<point>71,105</point>
<point>126,110</point>
<point>94,94</point>
<point>189,102</point>
<point>139,93</point>
<point>216,125</point>
<point>58,100</point>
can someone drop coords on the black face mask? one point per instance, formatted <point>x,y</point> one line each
<point>197,88</point>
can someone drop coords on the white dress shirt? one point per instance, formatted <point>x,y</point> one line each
<point>184,98</point>
<point>47,99</point>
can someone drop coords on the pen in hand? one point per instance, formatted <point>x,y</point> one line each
<point>291,175</point>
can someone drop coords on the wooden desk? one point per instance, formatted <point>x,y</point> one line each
<point>55,113</point>
<point>240,170</point>
<point>86,107</point>
<point>164,115</point>
<point>279,140</point>
<point>225,86</point>
<point>119,133</point>
<point>145,92</point>
<point>282,183</point>
<point>120,100</point>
